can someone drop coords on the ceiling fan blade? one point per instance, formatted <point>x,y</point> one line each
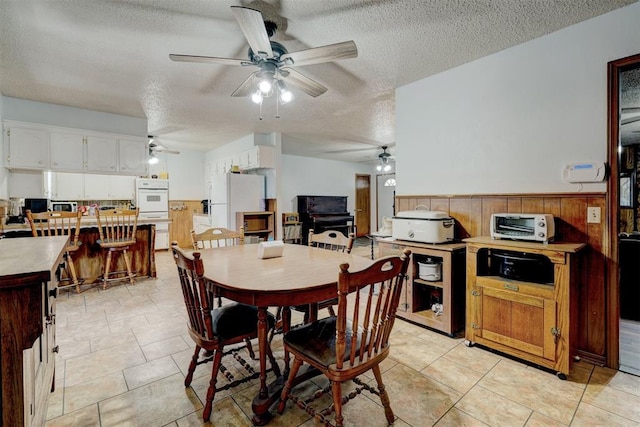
<point>317,55</point>
<point>630,120</point>
<point>252,26</point>
<point>302,82</point>
<point>156,148</point>
<point>164,150</point>
<point>208,59</point>
<point>248,86</point>
<point>351,150</point>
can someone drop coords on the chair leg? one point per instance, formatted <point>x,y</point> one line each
<point>107,267</point>
<point>272,361</point>
<point>276,325</point>
<point>252,354</point>
<point>211,392</point>
<point>332,313</point>
<point>72,270</point>
<point>297,363</point>
<point>336,390</point>
<point>192,367</point>
<point>384,396</point>
<point>127,260</point>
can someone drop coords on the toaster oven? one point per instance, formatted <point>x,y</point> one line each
<point>532,227</point>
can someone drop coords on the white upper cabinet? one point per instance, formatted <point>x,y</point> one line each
<point>102,153</point>
<point>88,186</point>
<point>96,187</point>
<point>26,147</point>
<point>132,154</point>
<point>64,186</point>
<point>67,151</point>
<point>122,187</point>
<point>33,146</point>
<point>261,156</point>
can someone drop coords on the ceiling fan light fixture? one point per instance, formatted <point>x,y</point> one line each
<point>257,97</point>
<point>265,86</point>
<point>285,94</point>
<point>153,159</point>
<point>387,167</point>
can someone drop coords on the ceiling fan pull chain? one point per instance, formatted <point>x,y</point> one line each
<point>277,107</point>
<point>260,111</point>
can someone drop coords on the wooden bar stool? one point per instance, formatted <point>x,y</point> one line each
<point>117,228</point>
<point>60,224</point>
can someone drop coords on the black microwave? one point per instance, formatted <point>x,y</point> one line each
<point>36,205</point>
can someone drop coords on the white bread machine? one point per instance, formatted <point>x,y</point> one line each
<point>423,226</point>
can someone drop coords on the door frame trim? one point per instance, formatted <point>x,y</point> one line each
<point>610,242</point>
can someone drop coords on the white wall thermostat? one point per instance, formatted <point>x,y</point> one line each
<point>585,172</point>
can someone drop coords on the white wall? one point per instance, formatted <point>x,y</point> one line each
<point>510,122</point>
<point>317,177</point>
<point>186,174</point>
<point>4,173</point>
<point>23,110</point>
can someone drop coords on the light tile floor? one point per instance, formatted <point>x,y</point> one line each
<point>124,353</point>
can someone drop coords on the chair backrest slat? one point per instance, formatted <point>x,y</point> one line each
<point>55,224</point>
<point>194,291</point>
<point>216,237</point>
<point>117,225</point>
<point>376,295</point>
<point>331,239</point>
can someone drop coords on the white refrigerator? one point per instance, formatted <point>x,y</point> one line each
<point>232,193</point>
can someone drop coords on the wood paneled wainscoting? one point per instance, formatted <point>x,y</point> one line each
<point>473,214</point>
<point>181,215</point>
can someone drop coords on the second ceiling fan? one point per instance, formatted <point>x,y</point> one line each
<point>275,64</point>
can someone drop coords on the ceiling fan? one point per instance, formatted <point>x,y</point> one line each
<point>157,148</point>
<point>274,62</point>
<point>384,160</point>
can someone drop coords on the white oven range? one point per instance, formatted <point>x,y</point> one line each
<point>152,197</point>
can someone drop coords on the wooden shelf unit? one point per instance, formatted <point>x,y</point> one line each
<point>418,294</point>
<point>532,321</point>
<point>260,224</point>
<point>291,228</point>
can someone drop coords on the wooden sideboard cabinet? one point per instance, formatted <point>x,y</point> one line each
<point>28,281</point>
<point>531,317</point>
<point>419,295</point>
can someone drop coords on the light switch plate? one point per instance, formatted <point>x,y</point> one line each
<point>593,215</point>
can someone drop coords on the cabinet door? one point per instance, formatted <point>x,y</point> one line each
<point>266,156</point>
<point>67,151</point>
<point>28,148</point>
<point>520,321</point>
<point>253,158</point>
<point>67,186</point>
<point>133,156</point>
<point>96,187</point>
<point>243,159</point>
<point>102,154</point>
<point>122,187</point>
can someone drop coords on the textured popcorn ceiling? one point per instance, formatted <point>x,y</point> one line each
<point>112,56</point>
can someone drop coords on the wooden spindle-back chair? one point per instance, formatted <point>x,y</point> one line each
<point>212,329</point>
<point>117,229</point>
<point>60,224</point>
<point>357,339</point>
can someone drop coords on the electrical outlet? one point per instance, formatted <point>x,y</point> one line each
<point>593,214</point>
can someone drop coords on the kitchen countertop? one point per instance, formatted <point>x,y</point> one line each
<point>87,221</point>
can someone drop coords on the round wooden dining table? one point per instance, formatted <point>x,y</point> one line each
<point>302,275</point>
